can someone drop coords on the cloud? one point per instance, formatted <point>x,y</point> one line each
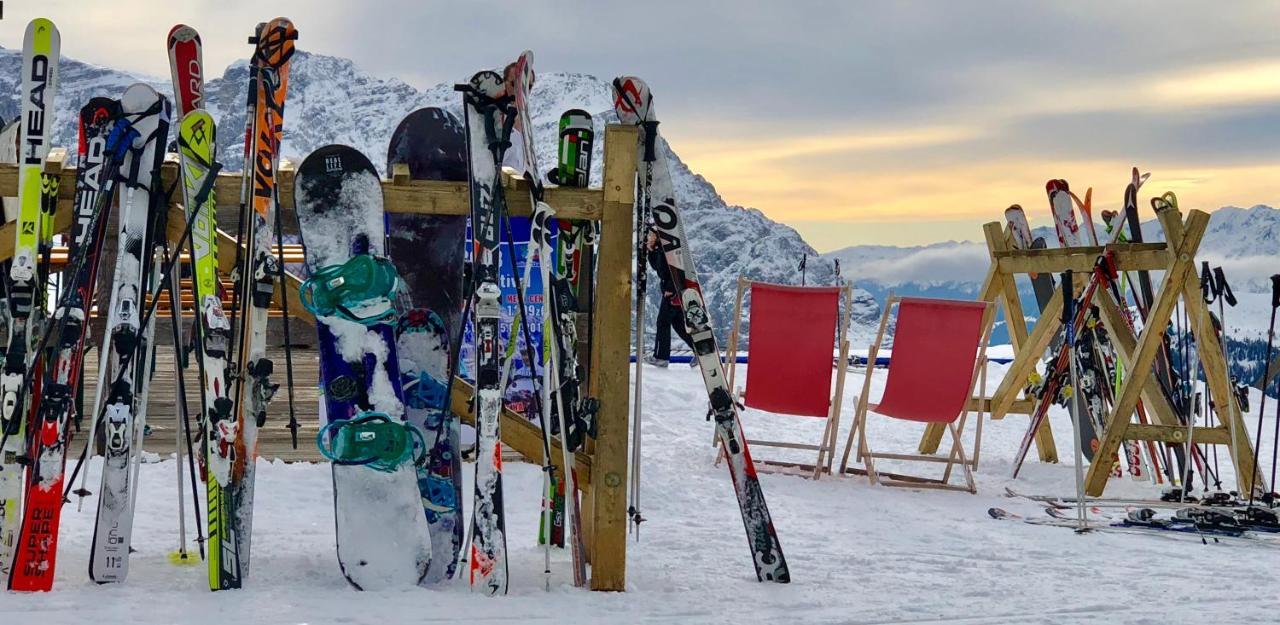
<point>830,114</point>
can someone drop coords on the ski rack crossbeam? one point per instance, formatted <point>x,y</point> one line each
<point>1176,259</point>
<point>602,467</point>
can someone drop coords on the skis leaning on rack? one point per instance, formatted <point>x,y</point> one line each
<point>41,46</point>
<point>561,385</point>
<point>257,270</point>
<point>66,335</point>
<point>126,354</point>
<point>634,105</point>
<point>197,148</point>
<point>488,128</point>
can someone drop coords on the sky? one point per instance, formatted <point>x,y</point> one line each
<point>854,122</point>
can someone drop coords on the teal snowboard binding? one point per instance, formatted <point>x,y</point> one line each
<point>372,439</point>
<point>359,290</point>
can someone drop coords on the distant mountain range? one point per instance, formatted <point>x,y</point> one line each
<point>331,100</point>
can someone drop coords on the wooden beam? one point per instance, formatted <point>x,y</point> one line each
<point>1128,257</point>
<point>426,197</point>
<point>1177,434</point>
<point>62,220</point>
<point>518,433</point>
<point>610,379</point>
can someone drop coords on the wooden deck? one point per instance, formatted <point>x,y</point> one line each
<point>274,436</point>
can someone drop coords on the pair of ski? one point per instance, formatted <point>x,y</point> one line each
<point>1193,522</point>
<point>657,206</point>
<point>494,104</point>
<point>118,145</point>
<point>233,397</point>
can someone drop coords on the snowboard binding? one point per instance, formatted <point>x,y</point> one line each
<point>359,290</point>
<point>371,439</point>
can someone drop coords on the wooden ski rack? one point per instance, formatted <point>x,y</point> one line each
<point>602,467</point>
<point>1137,355</point>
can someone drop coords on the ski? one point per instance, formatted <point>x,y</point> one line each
<point>634,105</point>
<point>41,49</point>
<point>1064,216</point>
<point>383,539</point>
<point>577,136</point>
<point>186,68</point>
<point>488,130</point>
<point>197,150</point>
<point>66,334</point>
<point>257,270</point>
<point>560,387</point>
<point>429,251</point>
<point>126,352</point>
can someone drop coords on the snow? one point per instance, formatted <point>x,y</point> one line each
<point>857,553</point>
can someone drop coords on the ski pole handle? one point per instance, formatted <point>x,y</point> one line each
<point>1207,287</point>
<point>1275,291</point>
<point>1221,288</point>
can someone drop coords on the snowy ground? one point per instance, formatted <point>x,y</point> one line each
<point>858,554</point>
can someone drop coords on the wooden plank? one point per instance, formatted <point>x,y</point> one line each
<point>418,196</point>
<point>611,374</point>
<point>1177,434</point>
<point>518,433</point>
<point>1148,344</point>
<point>62,220</point>
<point>1128,256</point>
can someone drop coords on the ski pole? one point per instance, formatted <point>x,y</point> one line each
<point>1271,332</point>
<point>1069,326</point>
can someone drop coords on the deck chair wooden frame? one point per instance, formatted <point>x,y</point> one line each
<point>826,447</point>
<point>957,455</point>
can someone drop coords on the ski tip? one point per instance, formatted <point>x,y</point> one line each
<point>181,33</point>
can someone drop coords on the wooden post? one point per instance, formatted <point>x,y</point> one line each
<point>610,379</point>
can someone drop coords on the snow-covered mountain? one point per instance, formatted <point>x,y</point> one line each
<point>1246,242</point>
<point>331,100</point>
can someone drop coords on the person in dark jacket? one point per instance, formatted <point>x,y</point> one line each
<point>670,315</point>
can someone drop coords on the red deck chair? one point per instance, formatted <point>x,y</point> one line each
<point>939,354</point>
<point>792,335</point>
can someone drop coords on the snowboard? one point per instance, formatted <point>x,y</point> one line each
<point>430,250</point>
<point>383,538</point>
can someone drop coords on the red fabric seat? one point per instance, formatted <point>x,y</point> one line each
<point>931,372</point>
<point>939,358</point>
<point>791,343</point>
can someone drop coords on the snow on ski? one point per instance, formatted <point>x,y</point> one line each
<point>383,539</point>
<point>488,132</point>
<point>634,105</point>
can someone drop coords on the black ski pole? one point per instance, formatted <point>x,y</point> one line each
<point>1266,374</point>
